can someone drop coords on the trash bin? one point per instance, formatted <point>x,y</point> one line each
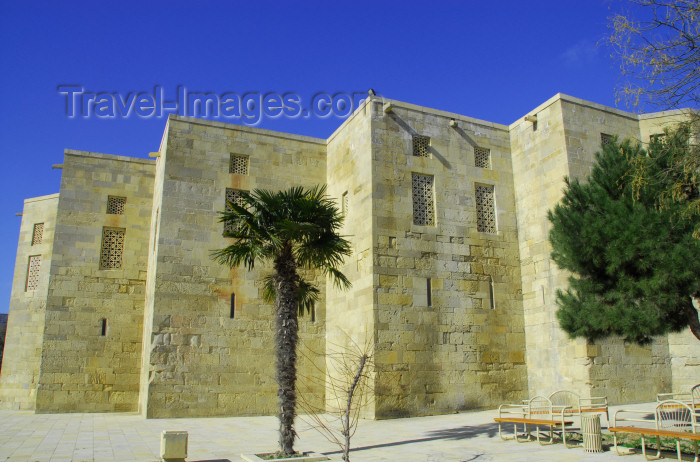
<point>592,438</point>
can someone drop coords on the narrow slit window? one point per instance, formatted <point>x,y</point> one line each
<point>492,297</point>
<point>313,313</point>
<point>429,288</point>
<point>544,301</point>
<point>103,328</point>
<point>38,234</point>
<point>344,203</point>
<point>233,306</point>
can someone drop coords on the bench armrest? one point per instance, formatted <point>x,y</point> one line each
<point>629,415</point>
<point>506,409</point>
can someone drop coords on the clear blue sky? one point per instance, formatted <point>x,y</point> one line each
<point>492,60</point>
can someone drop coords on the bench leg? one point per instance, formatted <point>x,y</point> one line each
<point>563,437</point>
<point>658,449</point>
<point>616,449</point>
<point>500,433</point>
<point>527,433</point>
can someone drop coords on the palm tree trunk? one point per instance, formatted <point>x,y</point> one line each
<point>286,336</point>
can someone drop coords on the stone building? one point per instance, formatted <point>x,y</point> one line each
<point>117,306</point>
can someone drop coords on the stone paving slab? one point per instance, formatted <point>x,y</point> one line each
<point>470,436</point>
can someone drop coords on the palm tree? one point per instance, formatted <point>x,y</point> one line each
<point>292,229</point>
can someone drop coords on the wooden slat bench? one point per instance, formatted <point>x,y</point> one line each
<point>671,419</point>
<point>537,412</point>
<point>577,405</point>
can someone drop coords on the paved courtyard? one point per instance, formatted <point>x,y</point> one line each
<point>471,436</point>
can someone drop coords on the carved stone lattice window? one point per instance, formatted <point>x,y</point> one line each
<point>38,234</point>
<point>234,196</point>
<point>605,139</point>
<point>485,209</point>
<point>421,146</point>
<point>33,273</point>
<point>238,165</point>
<point>115,205</point>
<point>482,157</point>
<point>423,208</point>
<point>112,248</point>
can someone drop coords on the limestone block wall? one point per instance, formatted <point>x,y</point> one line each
<point>92,334</point>
<point>444,348</point>
<point>200,360</point>
<point>144,372</point>
<point>351,315</point>
<point>684,349</point>
<point>624,373</point>
<point>540,163</point>
<point>655,123</point>
<point>25,328</point>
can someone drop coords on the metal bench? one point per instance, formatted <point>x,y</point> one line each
<point>692,398</point>
<point>671,419</point>
<point>539,411</point>
<point>576,405</point>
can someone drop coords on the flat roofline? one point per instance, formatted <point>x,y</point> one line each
<point>244,128</point>
<point>672,112</point>
<point>41,198</point>
<point>99,155</point>
<point>438,112</point>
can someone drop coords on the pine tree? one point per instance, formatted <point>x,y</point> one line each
<point>634,265</point>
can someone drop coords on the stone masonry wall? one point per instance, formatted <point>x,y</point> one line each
<point>92,335</point>
<point>683,347</point>
<point>540,164</point>
<point>350,317</point>
<point>25,328</point>
<point>200,360</point>
<point>624,373</point>
<point>453,352</point>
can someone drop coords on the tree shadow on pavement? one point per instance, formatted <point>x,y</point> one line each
<point>489,430</point>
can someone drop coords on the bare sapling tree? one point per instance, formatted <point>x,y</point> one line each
<point>349,391</point>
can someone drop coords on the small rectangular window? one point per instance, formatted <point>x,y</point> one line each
<point>33,266</point>
<point>482,157</point>
<point>238,164</point>
<point>103,332</point>
<point>233,305</point>
<point>605,139</point>
<point>38,234</point>
<point>115,205</point>
<point>421,146</point>
<point>112,248</point>
<point>657,138</point>
<point>423,206</point>
<point>485,209</point>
